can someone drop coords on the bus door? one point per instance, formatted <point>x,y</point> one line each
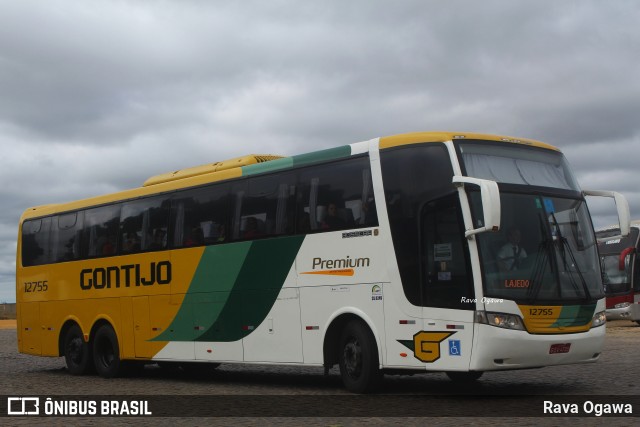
<point>448,298</point>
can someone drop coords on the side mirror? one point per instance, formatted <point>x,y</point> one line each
<point>490,196</point>
<point>622,206</point>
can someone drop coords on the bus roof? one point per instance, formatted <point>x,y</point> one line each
<point>418,137</point>
<point>254,164</point>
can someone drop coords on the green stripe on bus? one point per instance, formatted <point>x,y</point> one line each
<point>256,289</point>
<point>323,155</point>
<point>208,292</point>
<point>233,290</point>
<point>299,160</point>
<point>270,166</point>
<point>575,315</point>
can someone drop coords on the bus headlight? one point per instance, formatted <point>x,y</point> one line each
<point>500,320</point>
<point>599,319</point>
<point>622,305</point>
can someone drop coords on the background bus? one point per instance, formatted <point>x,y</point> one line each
<point>621,271</point>
<point>384,255</point>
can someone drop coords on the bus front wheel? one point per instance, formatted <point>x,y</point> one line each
<point>106,352</point>
<point>359,363</point>
<point>77,352</point>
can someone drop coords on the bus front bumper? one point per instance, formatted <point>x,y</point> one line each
<point>500,349</point>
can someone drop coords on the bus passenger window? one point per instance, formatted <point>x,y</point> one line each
<point>337,196</point>
<point>66,236</point>
<point>142,223</point>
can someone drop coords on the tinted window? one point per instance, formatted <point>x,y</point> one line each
<point>35,242</point>
<point>336,196</point>
<point>100,231</point>
<point>144,225</point>
<point>201,216</point>
<point>66,236</point>
<point>266,204</point>
<point>412,177</point>
<point>446,279</point>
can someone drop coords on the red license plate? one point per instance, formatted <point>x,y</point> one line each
<point>559,348</point>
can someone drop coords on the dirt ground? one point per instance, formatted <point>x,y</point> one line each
<point>8,324</point>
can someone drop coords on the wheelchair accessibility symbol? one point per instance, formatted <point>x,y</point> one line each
<point>454,348</point>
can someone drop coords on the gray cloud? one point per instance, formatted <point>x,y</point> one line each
<point>97,96</point>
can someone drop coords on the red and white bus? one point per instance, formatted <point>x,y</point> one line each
<point>621,271</point>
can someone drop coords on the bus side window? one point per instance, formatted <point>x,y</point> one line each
<point>200,216</point>
<point>336,196</point>
<point>35,242</point>
<point>143,223</point>
<point>66,236</point>
<point>100,231</point>
<point>265,206</point>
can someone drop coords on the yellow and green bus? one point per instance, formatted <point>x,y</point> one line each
<point>386,255</point>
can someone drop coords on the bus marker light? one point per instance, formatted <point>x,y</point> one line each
<point>209,350</point>
<point>312,328</point>
<point>403,354</point>
<point>248,328</point>
<point>407,322</point>
<point>455,326</point>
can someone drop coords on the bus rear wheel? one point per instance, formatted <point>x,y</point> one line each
<point>106,352</point>
<point>359,363</point>
<point>77,352</point>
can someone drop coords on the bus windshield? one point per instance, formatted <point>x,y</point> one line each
<point>517,165</point>
<point>546,253</point>
<point>546,250</point>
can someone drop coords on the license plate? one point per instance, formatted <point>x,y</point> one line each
<point>559,348</point>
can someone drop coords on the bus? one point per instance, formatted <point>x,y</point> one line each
<point>620,266</point>
<point>382,256</point>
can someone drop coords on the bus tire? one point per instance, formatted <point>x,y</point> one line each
<point>77,352</point>
<point>464,377</point>
<point>358,358</point>
<point>106,352</point>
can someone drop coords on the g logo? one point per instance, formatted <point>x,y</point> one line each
<point>426,345</point>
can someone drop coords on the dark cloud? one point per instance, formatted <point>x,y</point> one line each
<point>97,96</point>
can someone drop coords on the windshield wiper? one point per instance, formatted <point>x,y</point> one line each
<point>564,248</point>
<point>542,257</point>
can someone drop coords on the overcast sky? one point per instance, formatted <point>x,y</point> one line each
<point>96,96</point>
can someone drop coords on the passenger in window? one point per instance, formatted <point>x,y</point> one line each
<point>108,248</point>
<point>333,221</point>
<point>131,243</point>
<point>195,237</point>
<point>511,254</point>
